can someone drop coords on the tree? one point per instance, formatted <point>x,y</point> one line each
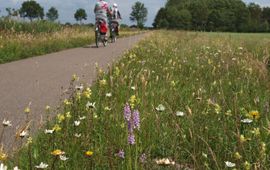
<point>80,15</point>
<point>31,9</point>
<point>160,19</point>
<point>139,14</point>
<point>52,14</point>
<point>199,12</point>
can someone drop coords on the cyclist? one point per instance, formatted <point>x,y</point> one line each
<point>115,17</point>
<point>101,10</point>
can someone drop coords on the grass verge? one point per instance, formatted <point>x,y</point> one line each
<point>177,100</point>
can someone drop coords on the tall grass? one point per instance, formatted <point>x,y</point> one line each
<point>41,26</point>
<point>20,40</point>
<point>203,101</point>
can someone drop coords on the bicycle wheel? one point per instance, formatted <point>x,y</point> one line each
<point>97,38</point>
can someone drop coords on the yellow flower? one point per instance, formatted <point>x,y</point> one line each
<point>132,101</point>
<point>74,77</point>
<point>89,153</point>
<point>60,118</point>
<point>57,128</point>
<point>254,114</point>
<point>57,152</point>
<point>117,71</point>
<point>68,115</point>
<point>27,110</point>
<point>78,96</point>
<point>237,155</point>
<point>242,139</point>
<point>103,82</point>
<point>173,83</point>
<point>66,102</point>
<point>3,156</point>
<point>47,108</point>
<point>87,93</point>
<point>247,165</point>
<point>256,131</point>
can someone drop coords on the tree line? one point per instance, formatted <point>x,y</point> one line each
<point>213,15</point>
<point>33,10</point>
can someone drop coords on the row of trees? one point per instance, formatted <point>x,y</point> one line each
<point>213,15</point>
<point>33,10</point>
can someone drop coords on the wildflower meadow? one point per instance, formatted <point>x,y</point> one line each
<point>177,100</point>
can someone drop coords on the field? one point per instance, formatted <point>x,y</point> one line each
<point>177,100</point>
<point>23,40</point>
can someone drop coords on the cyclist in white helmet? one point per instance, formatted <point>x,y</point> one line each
<point>116,17</point>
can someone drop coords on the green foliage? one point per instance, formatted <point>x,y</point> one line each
<point>31,9</point>
<point>80,15</point>
<point>139,14</point>
<point>214,15</point>
<point>52,14</point>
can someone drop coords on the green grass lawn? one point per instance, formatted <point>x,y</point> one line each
<point>203,102</point>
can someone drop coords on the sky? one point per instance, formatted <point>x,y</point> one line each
<point>67,8</point>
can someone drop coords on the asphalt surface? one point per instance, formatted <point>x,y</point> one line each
<point>43,80</point>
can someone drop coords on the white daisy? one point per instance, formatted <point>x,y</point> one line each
<point>82,118</point>
<point>77,135</point>
<point>3,167</point>
<point>24,133</point>
<point>77,123</point>
<point>16,168</point>
<point>160,108</point>
<point>90,105</point>
<point>79,87</point>
<point>247,121</point>
<point>108,94</point>
<point>229,164</point>
<point>63,157</point>
<point>42,166</point>
<point>49,131</point>
<point>7,122</point>
<point>180,114</point>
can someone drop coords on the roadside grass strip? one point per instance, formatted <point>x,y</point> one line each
<point>178,100</point>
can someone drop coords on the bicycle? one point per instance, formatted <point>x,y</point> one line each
<point>100,34</point>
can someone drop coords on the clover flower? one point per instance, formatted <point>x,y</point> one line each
<point>127,112</point>
<point>121,154</point>
<point>143,158</point>
<point>136,119</point>
<point>131,139</point>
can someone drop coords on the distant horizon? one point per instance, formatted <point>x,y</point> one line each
<point>66,11</point>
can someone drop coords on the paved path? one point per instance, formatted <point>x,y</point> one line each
<point>42,80</point>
